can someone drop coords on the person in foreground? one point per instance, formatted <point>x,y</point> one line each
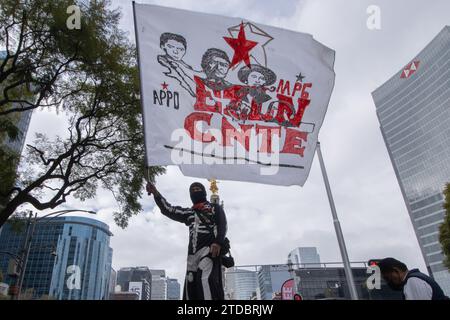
<point>207,229</point>
<point>414,284</point>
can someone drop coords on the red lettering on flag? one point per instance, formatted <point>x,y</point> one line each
<point>231,133</point>
<point>189,126</point>
<point>293,142</point>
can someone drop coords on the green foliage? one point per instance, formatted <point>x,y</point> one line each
<point>91,75</point>
<point>444,236</point>
<point>8,163</point>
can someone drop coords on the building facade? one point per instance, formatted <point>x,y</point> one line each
<point>11,147</point>
<point>70,258</point>
<point>240,284</point>
<point>304,255</point>
<point>112,281</point>
<point>22,122</point>
<point>331,283</point>
<point>413,108</point>
<point>20,119</point>
<point>136,279</point>
<point>173,289</point>
<point>159,285</point>
<point>270,278</point>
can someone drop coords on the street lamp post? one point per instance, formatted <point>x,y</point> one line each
<point>31,224</point>
<point>25,250</point>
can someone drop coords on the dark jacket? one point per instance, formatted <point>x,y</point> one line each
<point>203,231</point>
<point>438,294</point>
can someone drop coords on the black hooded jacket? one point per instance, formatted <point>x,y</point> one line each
<point>210,228</point>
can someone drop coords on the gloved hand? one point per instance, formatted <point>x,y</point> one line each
<point>215,250</point>
<point>151,189</point>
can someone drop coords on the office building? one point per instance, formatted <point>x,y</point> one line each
<point>306,256</point>
<point>11,147</point>
<point>331,283</point>
<point>173,289</point>
<point>270,278</point>
<point>22,122</point>
<point>69,259</point>
<point>112,281</point>
<point>20,119</point>
<point>159,285</point>
<point>413,108</point>
<point>240,284</point>
<point>136,279</point>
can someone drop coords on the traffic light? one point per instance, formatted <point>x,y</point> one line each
<point>373,262</point>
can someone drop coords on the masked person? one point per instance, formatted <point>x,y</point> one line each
<point>414,284</point>
<point>207,228</point>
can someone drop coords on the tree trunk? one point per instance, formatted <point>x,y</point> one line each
<point>8,210</point>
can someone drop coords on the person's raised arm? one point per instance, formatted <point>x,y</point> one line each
<point>173,212</point>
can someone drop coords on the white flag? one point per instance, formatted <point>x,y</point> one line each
<point>230,99</point>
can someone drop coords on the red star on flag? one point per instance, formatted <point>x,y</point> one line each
<point>410,69</point>
<point>241,47</point>
<point>164,85</point>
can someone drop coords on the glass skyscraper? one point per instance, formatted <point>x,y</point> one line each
<point>136,279</point>
<point>70,258</point>
<point>330,283</point>
<point>240,284</point>
<point>159,285</point>
<point>20,119</point>
<point>304,255</point>
<point>413,108</point>
<point>173,289</point>
<point>22,122</point>
<point>270,279</point>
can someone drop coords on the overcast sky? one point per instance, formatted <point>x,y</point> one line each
<point>266,222</point>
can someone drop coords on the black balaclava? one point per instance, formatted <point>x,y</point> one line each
<point>199,196</point>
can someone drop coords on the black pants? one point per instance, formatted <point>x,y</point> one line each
<point>203,277</point>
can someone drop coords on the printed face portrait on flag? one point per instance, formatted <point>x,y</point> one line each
<point>227,98</point>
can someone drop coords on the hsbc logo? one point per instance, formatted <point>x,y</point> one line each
<point>410,69</point>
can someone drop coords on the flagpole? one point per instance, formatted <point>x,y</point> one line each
<point>337,227</point>
<point>147,168</point>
